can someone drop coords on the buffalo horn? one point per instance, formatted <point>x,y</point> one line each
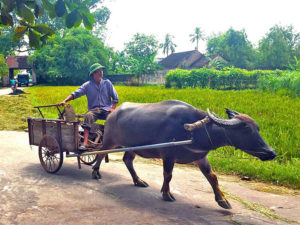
<point>234,122</point>
<point>199,123</point>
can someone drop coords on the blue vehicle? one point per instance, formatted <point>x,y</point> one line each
<point>23,79</point>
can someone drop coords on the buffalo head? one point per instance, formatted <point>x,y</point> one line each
<point>242,132</point>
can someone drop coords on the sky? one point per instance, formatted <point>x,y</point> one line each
<point>180,18</point>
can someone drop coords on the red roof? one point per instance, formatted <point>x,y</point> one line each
<point>17,62</point>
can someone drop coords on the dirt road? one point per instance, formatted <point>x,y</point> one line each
<point>29,195</point>
<point>7,91</point>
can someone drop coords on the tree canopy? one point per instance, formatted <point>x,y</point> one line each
<point>3,66</point>
<point>69,62</point>
<point>7,45</point>
<point>279,47</point>
<point>140,53</point>
<point>73,12</point>
<point>197,36</point>
<point>168,45</point>
<point>234,47</point>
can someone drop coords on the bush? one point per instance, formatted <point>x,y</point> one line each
<point>227,78</point>
<point>288,81</point>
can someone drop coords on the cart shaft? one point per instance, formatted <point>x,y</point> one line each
<point>128,149</point>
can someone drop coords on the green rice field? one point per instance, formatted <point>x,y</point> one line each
<point>278,118</point>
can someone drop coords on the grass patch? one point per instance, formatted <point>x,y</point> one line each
<point>14,110</point>
<point>259,208</point>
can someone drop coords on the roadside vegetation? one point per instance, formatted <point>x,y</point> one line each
<point>14,110</point>
<point>285,82</point>
<point>276,115</point>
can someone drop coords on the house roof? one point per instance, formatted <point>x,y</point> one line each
<point>17,62</point>
<point>186,60</point>
<point>180,59</point>
<point>200,62</point>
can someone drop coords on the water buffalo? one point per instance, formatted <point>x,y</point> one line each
<point>136,124</point>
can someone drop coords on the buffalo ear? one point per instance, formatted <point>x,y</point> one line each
<point>230,113</point>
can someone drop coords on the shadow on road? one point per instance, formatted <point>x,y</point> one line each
<point>121,189</point>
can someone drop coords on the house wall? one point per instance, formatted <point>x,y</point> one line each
<point>5,81</point>
<point>158,78</point>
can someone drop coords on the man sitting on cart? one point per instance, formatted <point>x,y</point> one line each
<point>101,96</point>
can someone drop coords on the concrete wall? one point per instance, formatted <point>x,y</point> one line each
<point>158,78</point>
<point>5,81</point>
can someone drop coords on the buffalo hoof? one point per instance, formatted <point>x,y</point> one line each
<point>96,174</point>
<point>224,204</point>
<point>167,196</point>
<point>140,183</point>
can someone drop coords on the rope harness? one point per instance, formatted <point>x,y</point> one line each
<point>230,142</point>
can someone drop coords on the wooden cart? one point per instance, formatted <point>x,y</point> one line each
<point>54,137</point>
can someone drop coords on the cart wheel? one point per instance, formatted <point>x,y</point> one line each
<point>50,154</point>
<point>88,159</point>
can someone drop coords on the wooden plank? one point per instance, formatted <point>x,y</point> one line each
<point>30,131</point>
<point>63,131</point>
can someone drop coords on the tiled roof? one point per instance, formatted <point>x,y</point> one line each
<point>186,60</point>
<point>175,60</point>
<point>17,62</point>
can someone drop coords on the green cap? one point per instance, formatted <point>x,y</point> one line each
<point>95,67</point>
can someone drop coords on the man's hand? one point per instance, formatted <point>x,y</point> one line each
<point>69,98</point>
<point>61,103</point>
<point>112,109</point>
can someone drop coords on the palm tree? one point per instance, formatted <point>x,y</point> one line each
<point>168,44</point>
<point>196,36</point>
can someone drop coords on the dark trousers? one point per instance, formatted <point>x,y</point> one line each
<point>92,116</point>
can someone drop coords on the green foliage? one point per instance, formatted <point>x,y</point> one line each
<point>197,36</point>
<point>69,62</point>
<point>234,47</point>
<point>7,45</point>
<point>3,66</point>
<point>168,44</point>
<point>73,12</point>
<point>119,63</point>
<point>287,82</point>
<point>295,66</point>
<point>275,114</point>
<point>227,78</point>
<point>141,46</point>
<point>139,55</point>
<point>217,63</point>
<point>278,48</point>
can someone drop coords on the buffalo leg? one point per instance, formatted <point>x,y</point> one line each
<point>96,173</point>
<point>168,168</point>
<point>128,160</point>
<point>205,168</point>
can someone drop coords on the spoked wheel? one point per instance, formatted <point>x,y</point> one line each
<point>50,154</point>
<point>88,159</point>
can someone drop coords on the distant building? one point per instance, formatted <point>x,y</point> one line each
<point>187,60</point>
<point>17,62</point>
<point>183,60</point>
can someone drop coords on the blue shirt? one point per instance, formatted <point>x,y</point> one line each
<point>102,96</point>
